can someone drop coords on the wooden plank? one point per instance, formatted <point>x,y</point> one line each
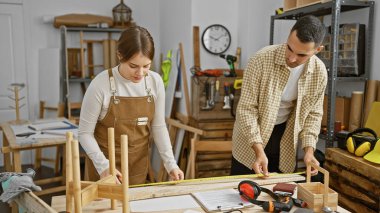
<point>238,58</point>
<point>90,193</point>
<point>352,205</point>
<point>51,190</point>
<point>353,179</point>
<point>31,203</point>
<point>177,124</point>
<point>354,164</point>
<point>216,125</point>
<point>213,156</point>
<point>217,134</point>
<point>213,165</point>
<point>90,58</point>
<point>222,146</point>
<point>185,88</point>
<point>213,173</point>
<point>48,180</point>
<point>353,193</point>
<point>196,49</point>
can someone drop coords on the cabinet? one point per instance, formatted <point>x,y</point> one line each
<point>74,70</point>
<point>334,8</point>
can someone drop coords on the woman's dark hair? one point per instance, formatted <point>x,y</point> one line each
<point>133,40</point>
<point>310,29</point>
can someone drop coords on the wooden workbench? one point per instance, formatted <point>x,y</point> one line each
<point>356,180</point>
<point>103,205</point>
<point>12,154</point>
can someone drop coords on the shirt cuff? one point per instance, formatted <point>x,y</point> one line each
<point>309,141</point>
<point>101,163</point>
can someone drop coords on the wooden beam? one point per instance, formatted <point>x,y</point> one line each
<point>218,146</point>
<point>31,203</point>
<point>89,194</point>
<point>185,88</point>
<point>196,49</point>
<point>183,126</point>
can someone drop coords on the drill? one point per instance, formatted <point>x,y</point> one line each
<point>230,60</point>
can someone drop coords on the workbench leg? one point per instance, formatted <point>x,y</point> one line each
<point>17,161</point>
<point>37,158</point>
<point>64,164</point>
<point>14,207</point>
<point>7,156</point>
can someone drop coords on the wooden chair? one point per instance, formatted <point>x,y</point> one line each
<point>196,145</point>
<point>38,154</point>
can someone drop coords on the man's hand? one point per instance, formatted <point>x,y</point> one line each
<point>260,166</point>
<point>309,157</point>
<point>106,173</point>
<point>176,174</point>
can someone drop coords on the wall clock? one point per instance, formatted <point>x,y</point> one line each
<point>216,39</point>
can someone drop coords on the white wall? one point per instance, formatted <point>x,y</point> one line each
<point>170,22</point>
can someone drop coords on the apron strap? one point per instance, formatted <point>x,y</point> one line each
<point>113,86</point>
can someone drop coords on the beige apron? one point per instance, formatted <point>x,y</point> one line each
<point>132,116</point>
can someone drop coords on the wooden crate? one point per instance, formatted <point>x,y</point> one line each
<point>198,98</point>
<point>317,195</point>
<point>294,4</point>
<point>213,164</point>
<point>356,180</point>
<point>290,4</point>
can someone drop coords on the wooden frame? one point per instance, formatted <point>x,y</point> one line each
<point>85,191</point>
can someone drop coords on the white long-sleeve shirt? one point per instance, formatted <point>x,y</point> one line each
<point>95,106</point>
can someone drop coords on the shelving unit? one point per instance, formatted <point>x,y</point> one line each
<point>65,79</point>
<point>334,8</point>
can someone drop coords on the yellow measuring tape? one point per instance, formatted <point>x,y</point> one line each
<point>213,179</point>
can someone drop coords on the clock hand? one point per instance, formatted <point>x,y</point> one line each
<point>213,38</point>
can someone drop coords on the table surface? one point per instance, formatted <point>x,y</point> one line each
<point>43,142</point>
<point>103,205</point>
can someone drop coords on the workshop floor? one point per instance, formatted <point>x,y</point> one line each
<point>43,172</point>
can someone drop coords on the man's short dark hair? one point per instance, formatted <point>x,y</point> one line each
<point>310,29</point>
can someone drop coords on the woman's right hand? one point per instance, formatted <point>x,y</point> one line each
<point>106,173</point>
<point>260,166</point>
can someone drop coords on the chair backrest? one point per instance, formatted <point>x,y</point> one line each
<point>60,109</point>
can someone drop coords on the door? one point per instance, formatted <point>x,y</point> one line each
<point>12,61</point>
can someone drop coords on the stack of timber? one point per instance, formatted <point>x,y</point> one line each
<point>217,124</point>
<point>356,180</point>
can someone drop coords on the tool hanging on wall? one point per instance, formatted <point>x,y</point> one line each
<point>230,60</point>
<point>226,96</point>
<point>209,102</point>
<point>217,95</point>
<point>166,67</point>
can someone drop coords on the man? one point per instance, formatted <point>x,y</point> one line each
<point>281,103</point>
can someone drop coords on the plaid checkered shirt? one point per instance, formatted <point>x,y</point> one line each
<point>263,84</point>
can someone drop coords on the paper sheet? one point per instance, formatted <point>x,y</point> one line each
<point>164,204</point>
<point>25,130</point>
<point>221,200</point>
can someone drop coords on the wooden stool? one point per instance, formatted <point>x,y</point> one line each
<point>84,191</point>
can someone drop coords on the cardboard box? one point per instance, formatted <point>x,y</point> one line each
<point>342,111</point>
<point>290,4</point>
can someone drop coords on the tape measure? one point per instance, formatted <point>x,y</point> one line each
<point>213,179</point>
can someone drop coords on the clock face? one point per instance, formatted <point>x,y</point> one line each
<point>216,39</point>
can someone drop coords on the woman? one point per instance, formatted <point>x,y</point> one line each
<point>130,98</point>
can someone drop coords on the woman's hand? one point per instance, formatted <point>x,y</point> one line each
<point>106,173</point>
<point>176,174</point>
